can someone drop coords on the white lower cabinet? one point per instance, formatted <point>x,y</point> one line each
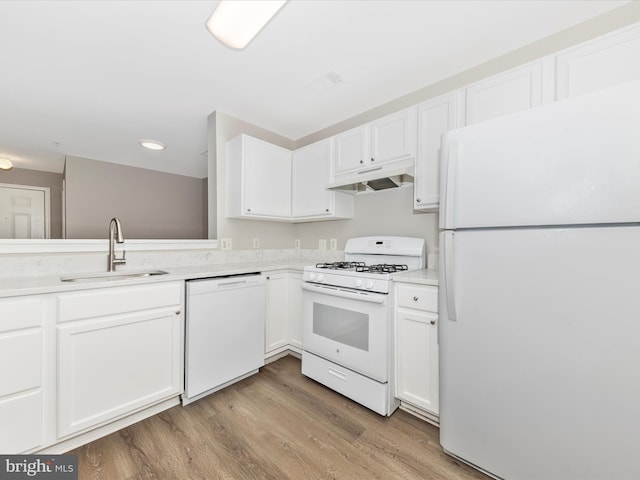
<point>283,329</point>
<point>295,311</point>
<point>277,318</point>
<point>416,365</point>
<point>119,350</point>
<point>22,354</point>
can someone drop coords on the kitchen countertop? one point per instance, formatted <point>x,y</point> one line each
<point>427,276</point>
<point>43,284</point>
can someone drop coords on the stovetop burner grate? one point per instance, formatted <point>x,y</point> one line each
<point>383,268</point>
<point>361,267</point>
<point>340,265</point>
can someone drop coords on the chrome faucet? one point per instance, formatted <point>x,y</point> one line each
<point>115,236</point>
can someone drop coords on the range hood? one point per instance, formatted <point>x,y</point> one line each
<point>372,179</point>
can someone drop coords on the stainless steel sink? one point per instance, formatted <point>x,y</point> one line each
<point>111,276</point>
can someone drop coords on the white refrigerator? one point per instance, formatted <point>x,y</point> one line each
<point>540,291</point>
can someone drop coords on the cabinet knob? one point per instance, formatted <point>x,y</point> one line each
<point>373,159</point>
<point>416,298</point>
<point>326,210</point>
<point>361,161</point>
<point>418,200</point>
<point>268,278</point>
<point>432,322</point>
<point>248,209</point>
<point>177,312</point>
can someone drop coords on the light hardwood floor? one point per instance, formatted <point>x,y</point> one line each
<point>277,425</point>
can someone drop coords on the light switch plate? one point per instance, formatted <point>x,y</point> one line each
<point>256,243</point>
<point>322,244</point>
<point>225,244</point>
<point>333,244</point>
<point>296,243</point>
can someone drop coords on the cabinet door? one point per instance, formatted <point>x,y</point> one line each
<point>393,137</point>
<point>601,63</point>
<point>310,196</point>
<point>417,358</point>
<point>267,179</point>
<point>295,310</point>
<point>111,366</point>
<point>510,92</point>
<point>21,374</point>
<point>277,322</point>
<point>352,150</point>
<point>434,118</point>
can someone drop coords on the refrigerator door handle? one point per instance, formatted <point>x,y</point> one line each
<point>450,157</point>
<point>448,276</point>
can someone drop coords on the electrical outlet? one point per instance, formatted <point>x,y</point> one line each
<point>256,243</point>
<point>296,243</point>
<point>333,244</point>
<point>322,244</point>
<point>225,244</point>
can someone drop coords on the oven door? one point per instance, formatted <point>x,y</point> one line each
<point>348,327</point>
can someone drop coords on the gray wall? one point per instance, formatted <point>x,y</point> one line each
<point>36,178</point>
<point>150,204</point>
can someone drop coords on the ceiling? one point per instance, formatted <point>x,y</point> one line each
<point>91,78</point>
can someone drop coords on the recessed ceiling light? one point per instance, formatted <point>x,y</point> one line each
<point>235,23</point>
<point>5,164</point>
<point>153,145</point>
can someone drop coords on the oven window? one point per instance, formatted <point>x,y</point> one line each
<point>341,325</point>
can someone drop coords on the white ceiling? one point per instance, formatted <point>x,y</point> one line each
<point>91,78</point>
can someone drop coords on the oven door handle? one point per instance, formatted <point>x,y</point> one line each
<point>338,292</point>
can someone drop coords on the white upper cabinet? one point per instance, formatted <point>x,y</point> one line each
<point>393,137</point>
<point>311,200</point>
<point>434,118</point>
<point>352,149</point>
<point>258,179</point>
<point>600,63</point>
<point>510,92</point>
<point>384,140</point>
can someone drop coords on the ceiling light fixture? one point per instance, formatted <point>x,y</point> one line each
<point>153,145</point>
<point>5,164</point>
<point>236,22</point>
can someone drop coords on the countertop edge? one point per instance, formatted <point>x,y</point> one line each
<point>425,276</point>
<point>51,284</point>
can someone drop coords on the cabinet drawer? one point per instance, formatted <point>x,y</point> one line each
<point>21,312</point>
<point>418,297</point>
<point>115,300</point>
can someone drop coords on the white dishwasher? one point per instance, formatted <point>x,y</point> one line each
<point>224,339</point>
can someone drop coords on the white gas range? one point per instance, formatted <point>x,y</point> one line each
<point>347,318</point>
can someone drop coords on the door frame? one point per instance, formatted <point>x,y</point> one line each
<point>47,201</point>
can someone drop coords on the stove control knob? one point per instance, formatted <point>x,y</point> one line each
<point>358,282</point>
<point>312,276</point>
<point>320,277</point>
<point>370,284</point>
